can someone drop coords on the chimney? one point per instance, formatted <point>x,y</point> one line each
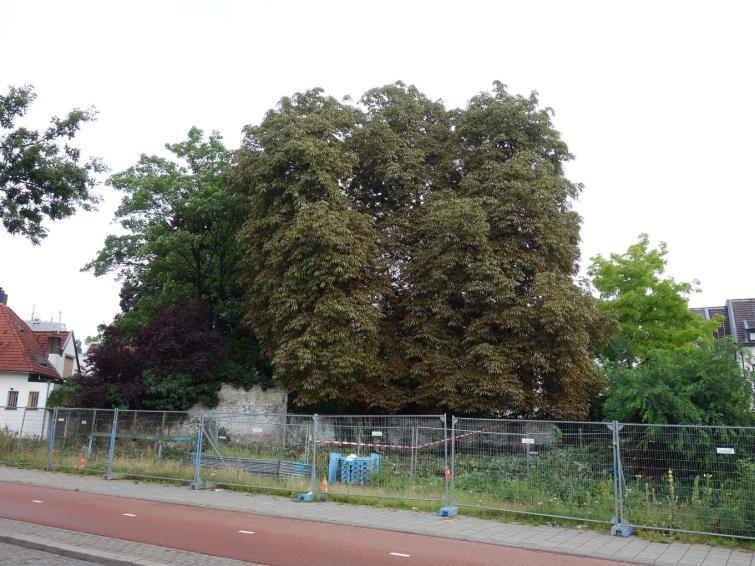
<point>3,297</point>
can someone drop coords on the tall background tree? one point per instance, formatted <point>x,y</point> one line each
<point>495,323</point>
<point>41,175</point>
<point>391,254</point>
<point>398,254</point>
<point>177,253</point>
<point>651,308</point>
<point>313,287</point>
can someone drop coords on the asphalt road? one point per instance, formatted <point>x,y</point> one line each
<point>256,538</point>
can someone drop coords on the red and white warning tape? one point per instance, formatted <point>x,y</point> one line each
<point>402,446</point>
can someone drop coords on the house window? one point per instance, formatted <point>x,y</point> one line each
<point>751,335</point>
<point>33,401</point>
<point>12,401</point>
<point>68,366</point>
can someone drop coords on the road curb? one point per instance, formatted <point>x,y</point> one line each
<point>79,553</point>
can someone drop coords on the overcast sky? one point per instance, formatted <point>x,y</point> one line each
<point>655,99</point>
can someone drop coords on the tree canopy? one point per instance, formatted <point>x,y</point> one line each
<point>652,309</point>
<point>177,250</point>
<point>41,175</point>
<point>402,255</point>
<point>386,254</point>
<point>705,385</point>
<point>662,363</point>
<point>170,365</point>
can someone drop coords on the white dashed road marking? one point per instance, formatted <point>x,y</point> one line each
<point>399,554</point>
<point>247,532</point>
<point>36,501</point>
<point>128,514</point>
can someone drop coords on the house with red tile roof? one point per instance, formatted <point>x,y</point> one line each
<point>32,363</point>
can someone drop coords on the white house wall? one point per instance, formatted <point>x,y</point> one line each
<point>12,419</point>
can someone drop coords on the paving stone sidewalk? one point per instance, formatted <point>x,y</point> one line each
<point>84,548</point>
<point>13,555</point>
<point>579,542</point>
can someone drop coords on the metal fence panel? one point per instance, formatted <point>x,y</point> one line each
<point>397,457</point>
<point>23,434</point>
<point>555,469</point>
<point>689,478</point>
<point>269,452</point>
<point>154,444</point>
<point>693,479</point>
<point>80,438</point>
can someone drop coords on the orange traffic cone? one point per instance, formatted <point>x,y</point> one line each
<point>449,474</point>
<point>82,463</point>
<point>324,484</point>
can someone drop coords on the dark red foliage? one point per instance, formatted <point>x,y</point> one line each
<point>115,372</point>
<point>181,339</point>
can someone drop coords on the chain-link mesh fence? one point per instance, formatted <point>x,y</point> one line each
<point>270,452</point>
<point>23,435</point>
<point>556,469</point>
<point>398,457</point>
<point>689,478</point>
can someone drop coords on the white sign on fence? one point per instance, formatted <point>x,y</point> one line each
<point>528,441</point>
<point>377,433</point>
<point>724,451</point>
<point>256,430</point>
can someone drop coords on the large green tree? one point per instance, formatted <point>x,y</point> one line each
<point>652,309</point>
<point>495,323</point>
<point>662,362</point>
<point>705,385</point>
<point>400,254</point>
<point>313,288</point>
<point>41,175</point>
<point>178,243</point>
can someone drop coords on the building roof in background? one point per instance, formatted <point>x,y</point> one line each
<point>741,317</point>
<point>39,324</point>
<point>738,316</point>
<point>20,350</point>
<point>709,313</point>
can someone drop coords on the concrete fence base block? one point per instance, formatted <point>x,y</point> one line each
<point>622,530</point>
<point>196,485</point>
<point>309,496</point>
<point>448,511</point>
<point>109,476</point>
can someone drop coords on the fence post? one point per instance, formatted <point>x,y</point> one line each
<point>614,473</point>
<point>111,448</point>
<point>44,422</point>
<point>51,439</point>
<point>197,483</point>
<point>454,420</point>
<point>21,431</point>
<point>619,528</point>
<point>449,508</point>
<point>413,457</point>
<point>313,493</point>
